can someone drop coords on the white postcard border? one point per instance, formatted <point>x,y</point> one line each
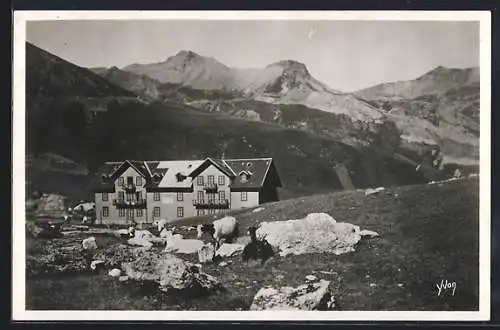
<point>19,311</point>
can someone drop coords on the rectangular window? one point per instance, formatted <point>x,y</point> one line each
<point>156,211</point>
<point>121,213</point>
<point>139,213</point>
<point>222,180</point>
<point>211,197</point>
<point>199,180</point>
<point>180,196</point>
<point>156,196</point>
<point>120,181</point>
<point>138,181</point>
<point>121,196</point>
<point>244,196</point>
<point>130,180</point>
<point>200,195</point>
<point>211,179</point>
<point>180,212</point>
<point>105,211</point>
<point>105,196</point>
<point>222,195</point>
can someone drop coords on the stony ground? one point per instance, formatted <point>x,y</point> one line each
<point>428,233</point>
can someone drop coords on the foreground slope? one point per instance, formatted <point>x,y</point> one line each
<point>428,233</point>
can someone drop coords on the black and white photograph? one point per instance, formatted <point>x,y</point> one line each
<point>264,165</point>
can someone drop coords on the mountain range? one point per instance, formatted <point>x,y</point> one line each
<point>88,119</point>
<point>439,108</point>
<point>78,118</point>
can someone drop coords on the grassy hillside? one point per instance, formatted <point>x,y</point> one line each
<point>428,233</point>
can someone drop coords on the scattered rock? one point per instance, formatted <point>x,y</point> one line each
<point>312,296</point>
<point>184,246</point>
<point>222,264</point>
<point>258,209</point>
<point>166,233</point>
<point>177,236</point>
<point>96,264</point>
<point>400,285</point>
<point>372,285</point>
<point>327,272</point>
<point>122,233</point>
<point>371,191</point>
<point>368,233</point>
<point>206,253</point>
<point>311,278</point>
<point>228,250</point>
<point>140,242</point>
<point>316,233</point>
<point>89,243</point>
<point>115,272</point>
<point>172,274</point>
<point>123,278</point>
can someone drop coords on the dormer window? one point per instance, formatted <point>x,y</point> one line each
<point>244,176</point>
<point>180,177</point>
<point>156,177</point>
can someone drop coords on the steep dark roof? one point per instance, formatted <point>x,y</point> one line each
<point>217,163</point>
<point>256,168</point>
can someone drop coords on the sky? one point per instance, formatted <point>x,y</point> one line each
<point>346,55</point>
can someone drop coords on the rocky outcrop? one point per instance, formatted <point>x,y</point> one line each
<point>311,296</point>
<point>114,255</point>
<point>170,273</point>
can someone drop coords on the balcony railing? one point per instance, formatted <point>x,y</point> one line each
<point>211,204</point>
<point>129,187</point>
<point>132,204</point>
<point>211,187</point>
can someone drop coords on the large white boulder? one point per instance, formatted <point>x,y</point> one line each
<point>311,296</point>
<point>316,233</point>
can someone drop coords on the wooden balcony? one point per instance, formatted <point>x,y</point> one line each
<point>130,187</point>
<point>211,188</point>
<point>133,204</point>
<point>211,204</point>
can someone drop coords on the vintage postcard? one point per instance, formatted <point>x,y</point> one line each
<point>251,165</point>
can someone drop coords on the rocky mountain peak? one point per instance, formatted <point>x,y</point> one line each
<point>291,66</point>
